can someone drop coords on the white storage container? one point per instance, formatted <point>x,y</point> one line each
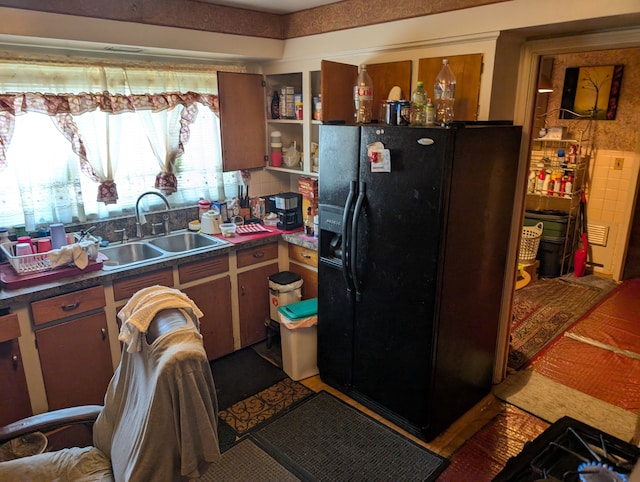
<point>299,348</point>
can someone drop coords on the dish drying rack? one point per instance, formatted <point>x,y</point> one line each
<point>35,262</point>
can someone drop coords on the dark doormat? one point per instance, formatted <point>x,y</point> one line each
<point>241,374</point>
<point>323,438</point>
<point>246,461</point>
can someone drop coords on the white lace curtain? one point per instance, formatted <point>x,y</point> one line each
<point>93,105</point>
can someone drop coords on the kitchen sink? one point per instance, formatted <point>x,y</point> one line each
<point>123,254</point>
<point>179,242</point>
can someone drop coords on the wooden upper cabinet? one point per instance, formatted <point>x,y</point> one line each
<point>242,120</point>
<point>386,76</point>
<point>468,71</point>
<point>338,80</point>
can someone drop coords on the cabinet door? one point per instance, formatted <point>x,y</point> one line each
<point>300,256</point>
<point>242,120</point>
<point>253,296</point>
<point>386,76</point>
<point>216,326</point>
<point>14,395</point>
<point>76,361</point>
<point>309,280</point>
<point>468,71</point>
<point>338,80</point>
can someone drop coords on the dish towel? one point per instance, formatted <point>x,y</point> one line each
<point>75,253</point>
<point>143,306</point>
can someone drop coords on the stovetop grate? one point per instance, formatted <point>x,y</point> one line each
<point>570,450</point>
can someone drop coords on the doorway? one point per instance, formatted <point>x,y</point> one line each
<point>529,70</point>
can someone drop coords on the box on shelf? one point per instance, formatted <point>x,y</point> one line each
<point>308,188</point>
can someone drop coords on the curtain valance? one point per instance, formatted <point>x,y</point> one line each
<point>54,104</point>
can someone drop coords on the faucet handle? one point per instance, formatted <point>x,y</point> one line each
<point>165,222</point>
<point>125,238</point>
<point>154,226</point>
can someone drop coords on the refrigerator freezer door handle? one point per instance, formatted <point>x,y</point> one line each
<point>346,255</point>
<point>354,236</point>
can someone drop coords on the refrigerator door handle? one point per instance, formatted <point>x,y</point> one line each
<point>346,254</point>
<point>354,236</point>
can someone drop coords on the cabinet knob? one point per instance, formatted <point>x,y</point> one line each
<point>305,256</point>
<point>14,361</point>
<point>258,255</point>
<point>103,331</point>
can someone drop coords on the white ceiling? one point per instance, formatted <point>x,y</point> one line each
<point>273,6</point>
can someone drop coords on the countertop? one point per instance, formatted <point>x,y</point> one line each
<point>94,278</point>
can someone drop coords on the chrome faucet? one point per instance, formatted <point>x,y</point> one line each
<point>165,218</point>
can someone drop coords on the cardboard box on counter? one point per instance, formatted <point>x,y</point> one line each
<point>308,187</point>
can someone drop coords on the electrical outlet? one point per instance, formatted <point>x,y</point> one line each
<point>617,163</point>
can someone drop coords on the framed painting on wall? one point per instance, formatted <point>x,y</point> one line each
<point>591,92</point>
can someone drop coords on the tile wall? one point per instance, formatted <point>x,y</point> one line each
<point>610,199</point>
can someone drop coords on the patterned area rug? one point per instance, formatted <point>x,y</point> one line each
<point>251,412</point>
<point>544,309</point>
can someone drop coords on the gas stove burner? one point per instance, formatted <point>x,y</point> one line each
<point>596,472</point>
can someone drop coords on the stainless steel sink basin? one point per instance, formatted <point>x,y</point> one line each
<point>179,242</point>
<point>123,254</point>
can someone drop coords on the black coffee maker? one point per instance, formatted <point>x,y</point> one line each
<point>288,207</point>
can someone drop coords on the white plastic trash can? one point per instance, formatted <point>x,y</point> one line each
<point>285,288</point>
<point>299,339</point>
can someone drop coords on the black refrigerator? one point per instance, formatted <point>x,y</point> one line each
<point>412,265</point>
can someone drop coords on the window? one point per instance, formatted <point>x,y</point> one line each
<point>45,179</point>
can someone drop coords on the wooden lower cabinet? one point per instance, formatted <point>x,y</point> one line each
<point>304,261</point>
<point>14,394</point>
<point>253,295</point>
<point>216,326</point>
<point>76,361</point>
<point>309,280</point>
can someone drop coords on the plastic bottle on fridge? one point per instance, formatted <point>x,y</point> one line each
<point>444,92</point>
<point>431,113</point>
<point>419,106</point>
<point>363,97</point>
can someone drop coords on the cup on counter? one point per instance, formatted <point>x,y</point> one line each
<point>28,241</point>
<point>23,249</point>
<point>58,235</point>
<point>20,231</point>
<point>44,245</point>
